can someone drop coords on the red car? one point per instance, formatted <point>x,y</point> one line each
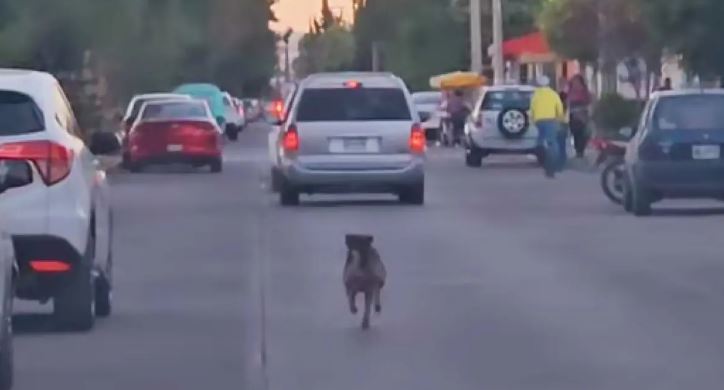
<point>175,131</point>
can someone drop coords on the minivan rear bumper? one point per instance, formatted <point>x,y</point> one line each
<point>353,180</point>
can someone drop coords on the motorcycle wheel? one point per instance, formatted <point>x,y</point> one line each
<point>612,181</point>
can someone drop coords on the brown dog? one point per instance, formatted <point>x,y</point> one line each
<point>365,273</point>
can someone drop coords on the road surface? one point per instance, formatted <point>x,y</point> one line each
<point>503,280</point>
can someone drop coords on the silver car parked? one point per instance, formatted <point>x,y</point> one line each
<point>350,132</point>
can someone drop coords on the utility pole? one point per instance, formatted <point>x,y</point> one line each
<point>498,64</point>
<point>287,63</point>
<point>476,37</point>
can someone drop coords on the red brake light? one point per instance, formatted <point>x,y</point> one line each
<point>352,84</point>
<point>53,161</point>
<point>291,139</point>
<point>49,266</point>
<point>417,139</point>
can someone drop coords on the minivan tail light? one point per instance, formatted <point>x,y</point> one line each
<point>53,161</point>
<point>417,139</point>
<point>291,139</point>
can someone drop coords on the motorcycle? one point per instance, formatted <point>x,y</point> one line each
<point>611,158</point>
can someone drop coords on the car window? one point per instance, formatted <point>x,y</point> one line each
<point>19,114</point>
<point>227,102</point>
<point>138,105</point>
<point>175,110</point>
<point>695,112</point>
<point>500,100</point>
<point>352,104</point>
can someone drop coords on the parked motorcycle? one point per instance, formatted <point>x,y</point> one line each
<point>611,158</point>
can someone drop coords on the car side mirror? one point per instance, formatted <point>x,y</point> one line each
<point>104,143</point>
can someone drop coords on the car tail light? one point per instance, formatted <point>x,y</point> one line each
<point>290,142</point>
<point>49,266</point>
<point>53,161</point>
<point>417,139</point>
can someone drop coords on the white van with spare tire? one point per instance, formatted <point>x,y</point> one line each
<point>500,124</point>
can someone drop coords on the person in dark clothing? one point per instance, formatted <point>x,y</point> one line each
<point>458,112</point>
<point>579,101</point>
<point>667,85</point>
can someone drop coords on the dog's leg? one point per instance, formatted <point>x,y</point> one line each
<point>368,308</point>
<point>352,298</point>
<point>378,300</point>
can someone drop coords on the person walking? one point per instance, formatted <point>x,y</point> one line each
<point>579,101</point>
<point>458,112</point>
<point>548,114</point>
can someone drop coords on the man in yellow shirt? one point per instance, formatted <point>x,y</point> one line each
<point>548,115</point>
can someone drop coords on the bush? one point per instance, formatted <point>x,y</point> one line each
<point>613,112</point>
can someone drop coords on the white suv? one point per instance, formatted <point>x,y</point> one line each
<point>54,199</point>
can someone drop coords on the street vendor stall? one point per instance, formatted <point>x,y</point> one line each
<point>469,83</point>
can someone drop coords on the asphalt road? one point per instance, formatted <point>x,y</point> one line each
<point>503,280</point>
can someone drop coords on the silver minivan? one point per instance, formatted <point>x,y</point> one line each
<point>350,132</point>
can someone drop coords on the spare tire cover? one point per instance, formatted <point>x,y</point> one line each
<point>513,123</point>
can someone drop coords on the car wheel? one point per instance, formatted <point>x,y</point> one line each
<point>276,180</point>
<point>126,161</point>
<point>473,158</point>
<point>288,196</point>
<point>6,350</point>
<point>74,305</point>
<point>414,194</point>
<point>640,200</point>
<point>232,132</point>
<point>135,167</point>
<point>103,298</point>
<point>627,197</point>
<point>217,166</point>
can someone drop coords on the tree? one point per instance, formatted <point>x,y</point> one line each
<point>691,28</point>
<point>328,46</point>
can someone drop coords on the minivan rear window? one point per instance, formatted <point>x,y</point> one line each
<point>695,112</point>
<point>353,104</point>
<point>19,114</point>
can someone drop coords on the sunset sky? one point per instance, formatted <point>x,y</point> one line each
<point>297,13</point>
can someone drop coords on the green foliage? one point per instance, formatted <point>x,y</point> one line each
<point>143,45</point>
<point>571,27</point>
<point>613,112</point>
<point>326,51</point>
<point>692,28</point>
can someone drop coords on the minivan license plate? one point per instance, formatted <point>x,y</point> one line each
<point>706,152</point>
<point>354,145</point>
<point>174,148</point>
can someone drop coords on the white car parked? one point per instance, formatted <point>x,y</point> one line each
<point>56,200</point>
<point>429,109</point>
<point>500,124</point>
<point>235,118</point>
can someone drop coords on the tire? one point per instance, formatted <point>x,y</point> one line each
<point>288,196</point>
<point>640,200</point>
<point>473,158</point>
<point>103,298</point>
<point>74,305</point>
<point>414,195</point>
<point>508,115</point>
<point>217,166</point>
<point>608,179</point>
<point>232,132</point>
<point>126,161</point>
<point>135,167</point>
<point>276,180</point>
<point>6,347</point>
<point>627,198</point>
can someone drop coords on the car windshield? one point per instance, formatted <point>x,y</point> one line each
<point>696,112</point>
<point>175,110</point>
<point>500,100</point>
<point>427,98</point>
<point>19,114</point>
<point>353,104</point>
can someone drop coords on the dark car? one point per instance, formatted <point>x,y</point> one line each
<point>677,150</point>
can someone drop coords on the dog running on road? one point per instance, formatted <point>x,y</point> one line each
<point>365,273</point>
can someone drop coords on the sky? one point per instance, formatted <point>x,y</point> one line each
<point>297,13</point>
